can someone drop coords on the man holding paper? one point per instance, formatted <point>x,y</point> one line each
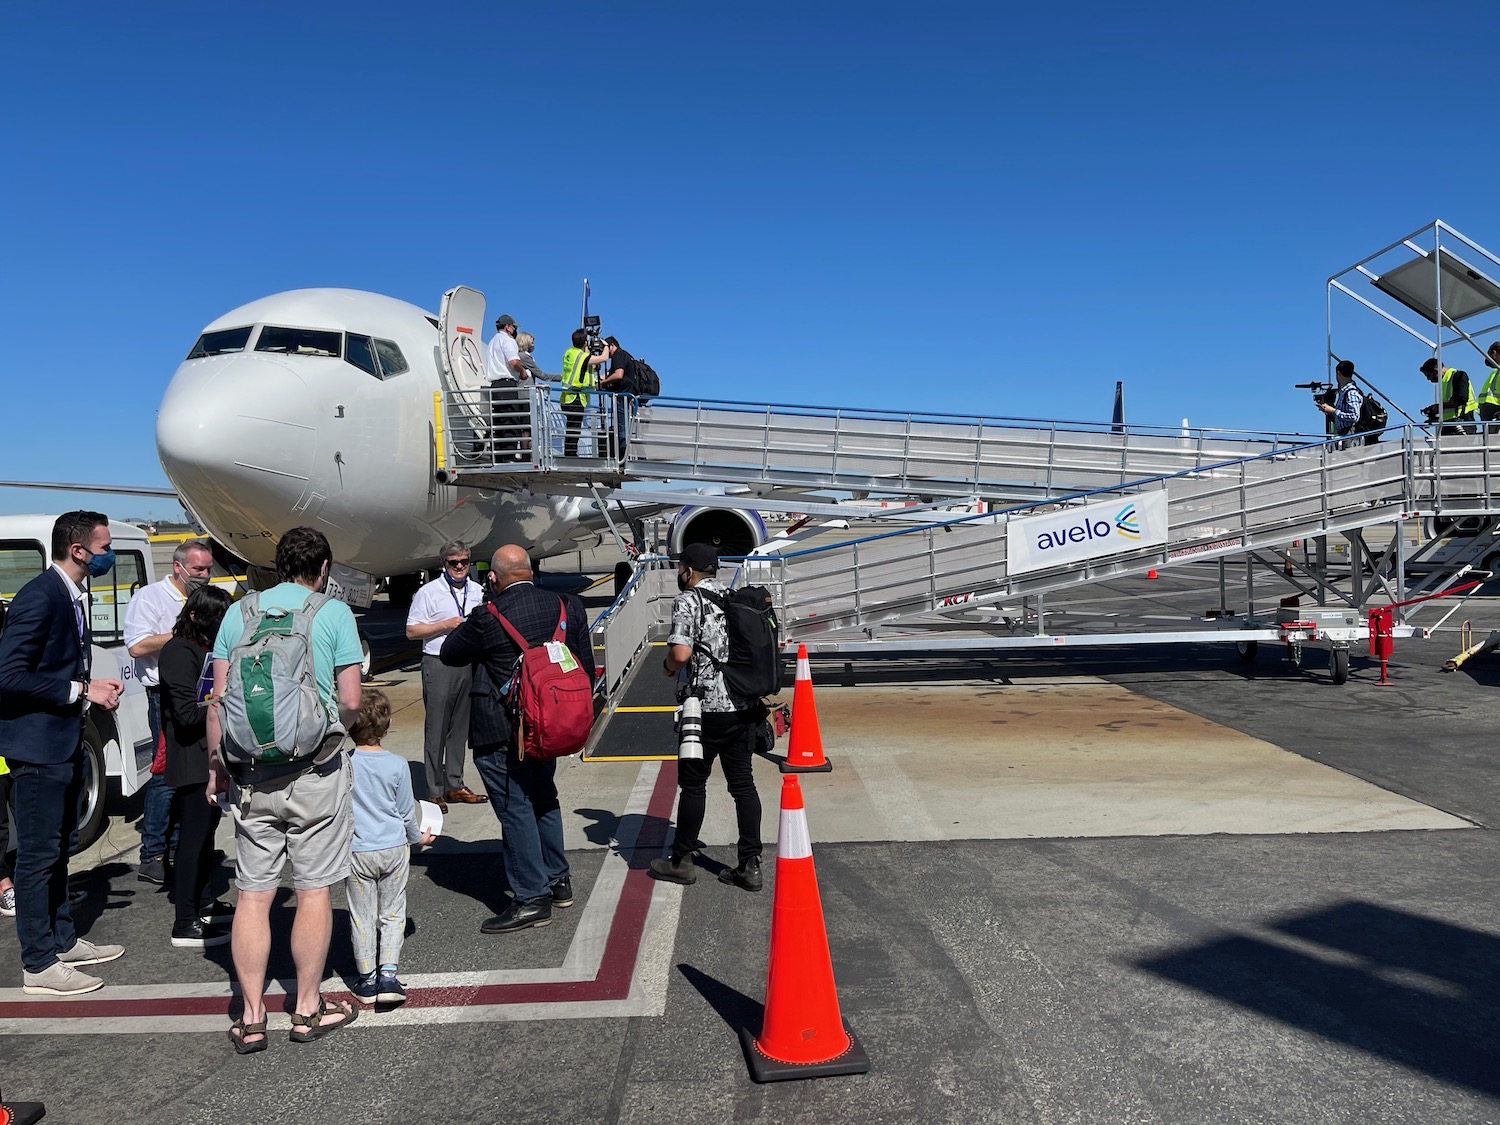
<point>523,791</point>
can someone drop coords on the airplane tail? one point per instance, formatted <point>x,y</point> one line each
<point>1117,419</point>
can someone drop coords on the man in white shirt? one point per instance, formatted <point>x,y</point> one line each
<point>148,627</point>
<point>438,608</point>
<point>509,408</point>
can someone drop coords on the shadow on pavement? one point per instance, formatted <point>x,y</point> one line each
<point>736,1009</point>
<point>1418,991</point>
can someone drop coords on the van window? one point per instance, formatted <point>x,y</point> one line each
<point>357,351</point>
<point>21,560</point>
<point>110,594</point>
<point>300,341</point>
<point>222,342</point>
<point>392,362</point>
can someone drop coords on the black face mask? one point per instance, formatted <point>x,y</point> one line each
<point>683,579</point>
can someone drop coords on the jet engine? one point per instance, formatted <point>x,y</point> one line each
<point>730,531</point>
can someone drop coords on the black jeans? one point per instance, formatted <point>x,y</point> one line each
<point>731,739</point>
<point>191,871</point>
<point>573,415</point>
<point>7,858</point>
<point>46,802</point>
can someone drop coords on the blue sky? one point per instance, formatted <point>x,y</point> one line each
<point>987,208</point>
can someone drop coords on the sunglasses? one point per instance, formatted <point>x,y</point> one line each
<point>457,564</point>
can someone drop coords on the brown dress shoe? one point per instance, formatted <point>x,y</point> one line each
<point>465,796</point>
<point>441,804</point>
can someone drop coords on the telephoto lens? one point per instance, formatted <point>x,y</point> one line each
<point>690,728</point>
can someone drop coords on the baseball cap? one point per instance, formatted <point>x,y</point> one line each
<point>505,320</point>
<point>700,557</point>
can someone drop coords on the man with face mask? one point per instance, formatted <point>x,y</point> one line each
<point>523,791</point>
<point>45,688</point>
<point>437,609</point>
<point>300,811</point>
<point>148,627</point>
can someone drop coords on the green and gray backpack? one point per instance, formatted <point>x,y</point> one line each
<point>273,712</point>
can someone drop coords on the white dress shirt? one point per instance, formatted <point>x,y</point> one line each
<point>438,601</point>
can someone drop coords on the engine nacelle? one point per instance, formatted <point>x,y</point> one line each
<point>730,531</point>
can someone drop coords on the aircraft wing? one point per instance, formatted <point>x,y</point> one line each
<point>121,489</point>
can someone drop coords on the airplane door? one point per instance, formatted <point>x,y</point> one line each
<point>461,321</point>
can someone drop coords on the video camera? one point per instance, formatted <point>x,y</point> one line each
<point>591,330</point>
<point>1322,392</point>
<point>1432,412</point>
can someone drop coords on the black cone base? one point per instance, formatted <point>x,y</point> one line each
<point>21,1113</point>
<point>786,767</point>
<point>766,1069</point>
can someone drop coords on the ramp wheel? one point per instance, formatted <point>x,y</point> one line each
<point>1340,665</point>
<point>1248,651</point>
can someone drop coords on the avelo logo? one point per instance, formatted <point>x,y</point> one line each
<point>1086,529</point>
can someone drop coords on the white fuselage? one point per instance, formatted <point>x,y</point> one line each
<point>280,429</point>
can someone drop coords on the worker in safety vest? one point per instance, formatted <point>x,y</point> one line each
<point>578,375</point>
<point>1489,394</point>
<point>1455,397</point>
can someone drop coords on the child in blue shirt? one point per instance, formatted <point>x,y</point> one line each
<point>385,827</point>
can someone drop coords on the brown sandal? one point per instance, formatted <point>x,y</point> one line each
<point>316,1028</point>
<point>246,1029</point>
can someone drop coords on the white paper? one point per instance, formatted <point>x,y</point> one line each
<point>432,817</point>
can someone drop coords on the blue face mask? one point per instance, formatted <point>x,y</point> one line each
<point>100,565</point>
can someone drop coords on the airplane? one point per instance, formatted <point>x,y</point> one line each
<point>315,407</point>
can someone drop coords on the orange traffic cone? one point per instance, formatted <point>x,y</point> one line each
<point>1151,573</point>
<point>802,1034</point>
<point>804,752</point>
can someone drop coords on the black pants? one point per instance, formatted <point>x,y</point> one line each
<point>1489,412</point>
<point>731,739</point>
<point>573,413</point>
<point>7,856</point>
<point>195,847</point>
<point>46,808</point>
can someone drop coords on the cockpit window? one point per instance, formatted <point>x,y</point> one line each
<point>300,341</point>
<point>357,351</point>
<point>392,362</point>
<point>222,342</point>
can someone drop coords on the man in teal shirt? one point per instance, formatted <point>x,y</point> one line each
<point>303,814</point>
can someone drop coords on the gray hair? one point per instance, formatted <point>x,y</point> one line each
<point>456,547</point>
<point>181,553</point>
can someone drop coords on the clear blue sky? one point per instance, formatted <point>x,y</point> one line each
<point>952,207</point>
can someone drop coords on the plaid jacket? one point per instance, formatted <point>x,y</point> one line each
<point>482,642</point>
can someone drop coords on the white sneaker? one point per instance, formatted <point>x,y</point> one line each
<point>59,979</point>
<point>87,953</point>
<point>8,902</point>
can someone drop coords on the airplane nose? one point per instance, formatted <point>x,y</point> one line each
<point>236,438</point>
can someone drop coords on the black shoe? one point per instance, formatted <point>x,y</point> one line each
<point>152,871</point>
<point>562,892</point>
<point>195,933</point>
<point>520,916</point>
<point>746,875</point>
<point>217,911</point>
<point>675,870</point>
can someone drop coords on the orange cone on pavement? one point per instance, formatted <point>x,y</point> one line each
<point>1151,573</point>
<point>803,1035</point>
<point>805,747</point>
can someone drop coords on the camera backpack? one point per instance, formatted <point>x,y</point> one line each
<point>1372,417</point>
<point>641,381</point>
<point>753,665</point>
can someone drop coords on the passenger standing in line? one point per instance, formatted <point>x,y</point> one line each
<point>502,367</point>
<point>523,790</point>
<point>45,690</point>
<point>300,811</point>
<point>149,621</point>
<point>438,608</point>
<point>199,924</point>
<point>1489,394</point>
<point>385,828</point>
<point>579,373</point>
<point>1346,404</point>
<point>1455,397</point>
<point>697,648</point>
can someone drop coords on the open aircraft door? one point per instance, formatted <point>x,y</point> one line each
<point>461,322</point>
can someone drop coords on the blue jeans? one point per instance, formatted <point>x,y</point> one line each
<point>46,804</point>
<point>157,797</point>
<point>523,794</point>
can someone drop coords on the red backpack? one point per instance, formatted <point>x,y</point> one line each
<point>550,693</point>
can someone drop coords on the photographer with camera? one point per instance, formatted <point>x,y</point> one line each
<point>1343,411</point>
<point>580,372</point>
<point>619,380</point>
<point>1455,402</point>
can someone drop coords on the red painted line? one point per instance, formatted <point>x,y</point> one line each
<point>466,331</point>
<point>616,965</point>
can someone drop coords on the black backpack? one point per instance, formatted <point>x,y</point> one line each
<point>641,381</point>
<point>1372,417</point>
<point>753,668</point>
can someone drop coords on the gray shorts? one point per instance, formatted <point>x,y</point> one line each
<point>307,818</point>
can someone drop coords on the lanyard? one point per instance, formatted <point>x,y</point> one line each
<point>461,606</point>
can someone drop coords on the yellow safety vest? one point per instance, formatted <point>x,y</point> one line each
<point>576,376</point>
<point>1464,413</point>
<point>1490,392</point>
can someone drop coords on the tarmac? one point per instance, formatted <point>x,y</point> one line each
<point>1112,885</point>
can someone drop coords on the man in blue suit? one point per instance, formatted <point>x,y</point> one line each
<point>45,688</point>
<point>523,791</point>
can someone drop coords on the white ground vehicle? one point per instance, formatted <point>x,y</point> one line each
<point>115,745</point>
